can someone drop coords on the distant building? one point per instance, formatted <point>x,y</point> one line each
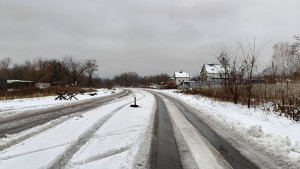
<point>211,72</point>
<point>181,77</point>
<point>19,83</point>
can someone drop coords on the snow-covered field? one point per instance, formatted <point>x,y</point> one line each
<point>273,136</point>
<point>111,136</point>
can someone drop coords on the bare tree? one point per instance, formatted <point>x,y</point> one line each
<point>17,72</point>
<point>296,53</point>
<point>56,71</point>
<point>222,55</point>
<point>73,68</point>
<point>28,70</point>
<point>284,58</point>
<point>250,52</point>
<point>91,68</point>
<point>5,66</point>
<point>41,70</point>
<point>236,76</point>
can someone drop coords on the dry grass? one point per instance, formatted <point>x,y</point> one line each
<point>282,98</point>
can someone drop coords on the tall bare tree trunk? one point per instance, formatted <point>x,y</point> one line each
<point>250,54</point>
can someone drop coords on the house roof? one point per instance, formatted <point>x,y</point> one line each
<point>214,68</point>
<point>19,81</point>
<point>181,74</point>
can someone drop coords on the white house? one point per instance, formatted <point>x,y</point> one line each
<point>210,72</point>
<point>181,77</point>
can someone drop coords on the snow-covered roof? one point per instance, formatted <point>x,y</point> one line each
<point>214,68</point>
<point>181,74</point>
<point>19,81</point>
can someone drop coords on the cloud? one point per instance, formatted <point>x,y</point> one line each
<point>144,36</point>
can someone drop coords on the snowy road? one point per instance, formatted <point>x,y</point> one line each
<point>115,135</point>
<point>163,132</point>
<point>19,122</point>
<point>111,136</point>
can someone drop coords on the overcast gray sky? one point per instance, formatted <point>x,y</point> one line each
<point>144,36</point>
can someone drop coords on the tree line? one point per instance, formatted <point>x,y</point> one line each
<point>71,71</point>
<point>67,71</point>
<point>133,79</point>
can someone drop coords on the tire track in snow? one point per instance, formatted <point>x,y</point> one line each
<point>101,156</point>
<point>30,132</point>
<point>126,129</point>
<point>7,118</point>
<point>84,138</point>
<point>33,151</point>
<point>20,122</point>
<point>76,145</point>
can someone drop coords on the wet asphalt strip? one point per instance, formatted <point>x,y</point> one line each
<point>229,153</point>
<point>167,155</point>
